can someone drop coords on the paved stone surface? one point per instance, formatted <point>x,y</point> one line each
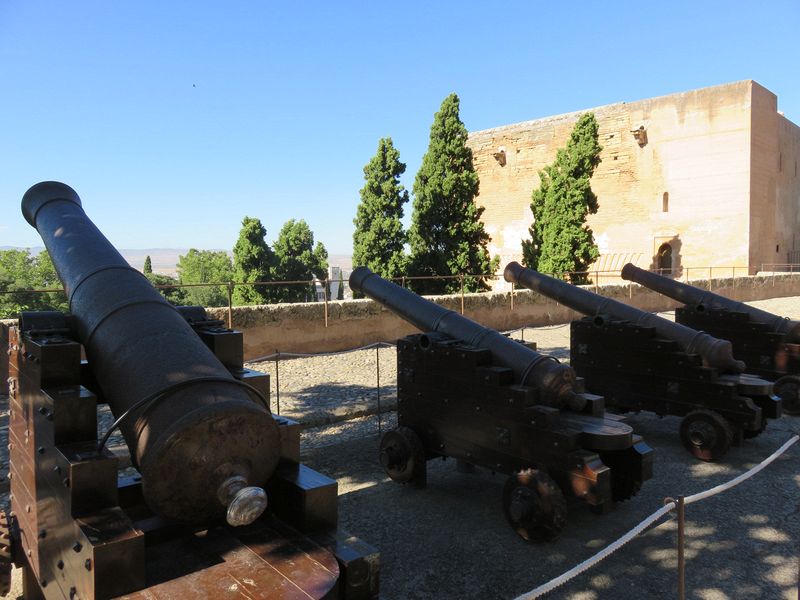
<point>451,540</point>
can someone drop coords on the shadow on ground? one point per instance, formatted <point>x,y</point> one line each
<point>451,540</point>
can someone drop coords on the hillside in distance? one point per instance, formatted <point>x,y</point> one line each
<point>165,260</point>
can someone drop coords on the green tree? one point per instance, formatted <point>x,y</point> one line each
<point>205,266</point>
<point>174,295</point>
<point>379,239</point>
<point>340,289</point>
<point>20,273</point>
<point>447,236</point>
<point>297,258</point>
<point>148,265</point>
<point>561,242</point>
<point>253,260</point>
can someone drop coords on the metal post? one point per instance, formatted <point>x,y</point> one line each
<point>378,385</point>
<point>733,269</point>
<point>681,557</point>
<point>512,296</point>
<point>277,382</point>
<point>230,305</point>
<point>709,279</point>
<point>325,295</point>
<point>522,332</point>
<point>403,282</point>
<point>596,276</point>
<point>461,278</point>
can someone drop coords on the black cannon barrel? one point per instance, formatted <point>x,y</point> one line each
<point>204,444</point>
<point>716,353</point>
<point>689,294</point>
<point>555,381</point>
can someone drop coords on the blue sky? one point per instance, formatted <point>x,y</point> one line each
<point>173,120</point>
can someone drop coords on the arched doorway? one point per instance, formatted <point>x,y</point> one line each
<point>664,258</point>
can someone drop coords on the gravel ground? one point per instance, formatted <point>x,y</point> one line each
<point>451,540</point>
<point>324,389</point>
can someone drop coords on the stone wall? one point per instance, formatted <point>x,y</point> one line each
<point>689,185</point>
<point>353,323</point>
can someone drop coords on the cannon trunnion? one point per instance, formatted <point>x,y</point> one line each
<point>768,343</point>
<point>469,401</point>
<point>633,359</point>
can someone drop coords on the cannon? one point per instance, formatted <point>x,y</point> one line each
<point>209,456</point>
<point>768,343</point>
<point>468,392</point>
<point>640,361</point>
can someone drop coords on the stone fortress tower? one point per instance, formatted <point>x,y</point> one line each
<point>706,178</point>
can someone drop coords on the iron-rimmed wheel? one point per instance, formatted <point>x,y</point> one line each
<point>402,454</point>
<point>706,434</point>
<point>6,558</point>
<point>534,505</point>
<point>788,389</point>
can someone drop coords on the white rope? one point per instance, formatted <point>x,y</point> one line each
<point>737,480</point>
<point>590,562</point>
<point>671,504</point>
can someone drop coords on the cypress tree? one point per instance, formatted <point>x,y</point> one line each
<point>253,260</point>
<point>447,236</point>
<point>340,289</point>
<point>379,239</point>
<point>561,242</point>
<point>148,265</point>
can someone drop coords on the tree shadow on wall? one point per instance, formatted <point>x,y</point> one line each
<point>667,259</point>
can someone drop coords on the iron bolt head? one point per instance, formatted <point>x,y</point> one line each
<point>60,565</point>
<point>88,564</point>
<point>77,547</point>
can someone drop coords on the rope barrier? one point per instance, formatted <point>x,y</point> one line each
<point>282,355</point>
<point>667,508</point>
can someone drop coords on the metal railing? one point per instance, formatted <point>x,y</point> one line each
<point>597,280</point>
<point>780,268</point>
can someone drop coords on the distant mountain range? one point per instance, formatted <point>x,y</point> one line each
<point>165,260</point>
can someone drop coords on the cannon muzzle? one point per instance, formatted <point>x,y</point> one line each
<point>715,352</point>
<point>555,381</point>
<point>689,294</point>
<point>202,441</point>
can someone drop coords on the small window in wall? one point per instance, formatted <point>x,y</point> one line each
<point>665,202</point>
<point>777,248</point>
<point>664,257</point>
